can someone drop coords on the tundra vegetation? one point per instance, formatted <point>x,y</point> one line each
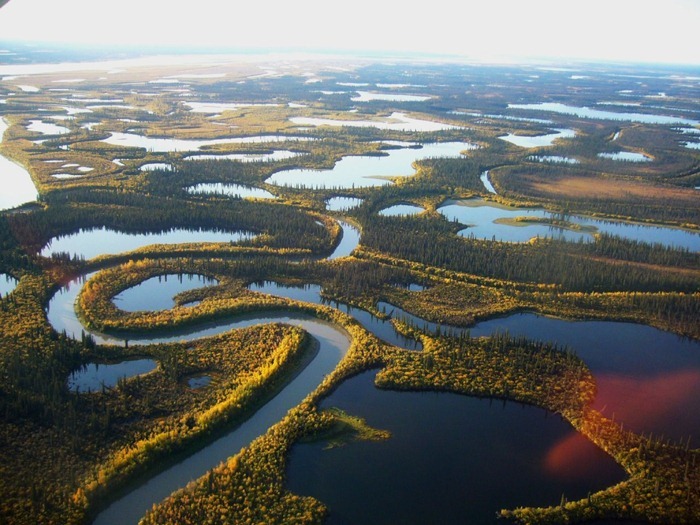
<point>66,454</point>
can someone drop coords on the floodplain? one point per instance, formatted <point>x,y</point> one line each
<point>230,294</point>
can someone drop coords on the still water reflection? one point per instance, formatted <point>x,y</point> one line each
<point>450,459</point>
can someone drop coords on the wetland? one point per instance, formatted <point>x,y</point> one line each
<point>229,293</point>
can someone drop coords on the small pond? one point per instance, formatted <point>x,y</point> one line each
<point>367,170</point>
<point>412,287</point>
<point>232,190</point>
<point>536,141</point>
<point>343,203</point>
<point>401,210</point>
<point>157,293</point>
<point>273,156</point>
<point>450,459</point>
<point>66,176</point>
<point>626,156</point>
<point>7,284</point>
<point>553,159</point>
<point>199,381</point>
<point>152,166</point>
<point>90,243</point>
<point>94,376</point>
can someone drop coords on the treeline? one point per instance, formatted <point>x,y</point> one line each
<point>454,173</point>
<point>11,254</point>
<point>71,211</point>
<point>570,265</point>
<point>614,247</point>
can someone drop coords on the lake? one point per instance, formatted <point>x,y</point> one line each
<point>367,96</point>
<point>647,377</point>
<point>46,128</point>
<point>397,121</point>
<point>153,166</point>
<point>598,114</point>
<point>89,243</point>
<point>537,141</point>
<point>450,459</point>
<point>555,159</point>
<point>249,157</point>
<point>162,144</point>
<point>16,177</point>
<point>480,216</point>
<point>367,170</point>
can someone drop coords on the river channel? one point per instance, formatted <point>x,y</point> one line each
<point>560,459</point>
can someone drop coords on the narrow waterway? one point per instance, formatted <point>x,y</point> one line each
<point>333,343</point>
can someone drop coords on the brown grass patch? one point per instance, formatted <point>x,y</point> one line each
<point>600,188</point>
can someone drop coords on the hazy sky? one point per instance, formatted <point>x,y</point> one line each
<point>627,30</point>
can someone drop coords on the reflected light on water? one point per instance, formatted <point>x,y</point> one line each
<point>642,405</point>
<point>654,404</point>
<point>575,457</point>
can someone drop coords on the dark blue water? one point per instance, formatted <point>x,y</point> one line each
<point>157,293</point>
<point>94,376</point>
<point>311,293</point>
<point>647,378</point>
<point>451,459</point>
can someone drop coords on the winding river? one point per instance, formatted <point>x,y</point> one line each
<point>333,344</point>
